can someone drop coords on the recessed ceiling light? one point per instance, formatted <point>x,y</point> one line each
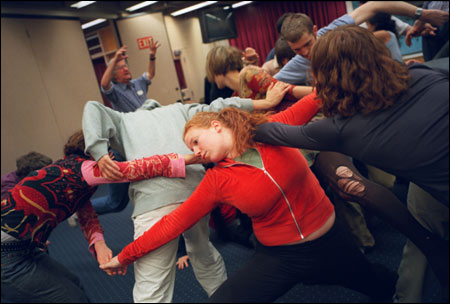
<point>242,3</point>
<point>192,8</point>
<point>81,4</point>
<point>140,5</point>
<point>92,23</point>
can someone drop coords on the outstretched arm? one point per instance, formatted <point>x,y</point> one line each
<point>204,199</point>
<point>318,135</point>
<point>154,45</point>
<point>109,73</point>
<point>301,112</point>
<point>301,91</point>
<point>274,95</point>
<point>107,170</point>
<point>93,233</point>
<point>288,127</point>
<point>255,82</point>
<point>369,9</point>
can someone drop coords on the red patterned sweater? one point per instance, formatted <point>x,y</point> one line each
<point>50,195</point>
<point>254,83</point>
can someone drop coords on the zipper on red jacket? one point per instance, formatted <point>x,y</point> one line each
<point>279,188</point>
<point>285,198</point>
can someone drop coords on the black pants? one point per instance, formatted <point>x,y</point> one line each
<point>331,259</point>
<point>381,202</point>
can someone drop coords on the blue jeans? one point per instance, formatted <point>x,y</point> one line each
<point>30,275</point>
<point>111,197</point>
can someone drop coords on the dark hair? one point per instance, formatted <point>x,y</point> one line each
<point>75,144</point>
<point>283,51</point>
<point>354,72</point>
<point>295,25</point>
<point>383,21</point>
<point>31,162</point>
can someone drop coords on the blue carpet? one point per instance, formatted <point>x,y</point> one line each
<point>69,247</point>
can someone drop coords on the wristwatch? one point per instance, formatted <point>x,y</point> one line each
<point>418,13</point>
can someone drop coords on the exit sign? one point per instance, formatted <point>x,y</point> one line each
<point>144,43</point>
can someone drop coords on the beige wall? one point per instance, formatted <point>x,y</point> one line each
<point>185,35</point>
<point>165,87</point>
<point>46,78</point>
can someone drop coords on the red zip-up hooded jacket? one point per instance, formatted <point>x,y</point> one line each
<point>283,198</point>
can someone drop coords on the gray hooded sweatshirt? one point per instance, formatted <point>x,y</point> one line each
<point>151,129</point>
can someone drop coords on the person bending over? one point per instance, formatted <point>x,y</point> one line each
<point>45,198</point>
<point>384,114</point>
<point>299,239</point>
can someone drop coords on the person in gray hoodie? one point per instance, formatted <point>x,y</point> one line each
<point>156,129</point>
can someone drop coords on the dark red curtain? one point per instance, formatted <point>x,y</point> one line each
<point>180,74</point>
<point>256,22</point>
<point>100,68</point>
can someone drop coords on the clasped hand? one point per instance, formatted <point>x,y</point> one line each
<point>108,168</point>
<point>114,267</point>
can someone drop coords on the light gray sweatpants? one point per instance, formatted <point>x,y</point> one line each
<point>155,272</point>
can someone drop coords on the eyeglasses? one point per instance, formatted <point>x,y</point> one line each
<point>121,67</point>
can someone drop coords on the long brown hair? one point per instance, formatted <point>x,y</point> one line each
<point>354,72</point>
<point>242,124</point>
